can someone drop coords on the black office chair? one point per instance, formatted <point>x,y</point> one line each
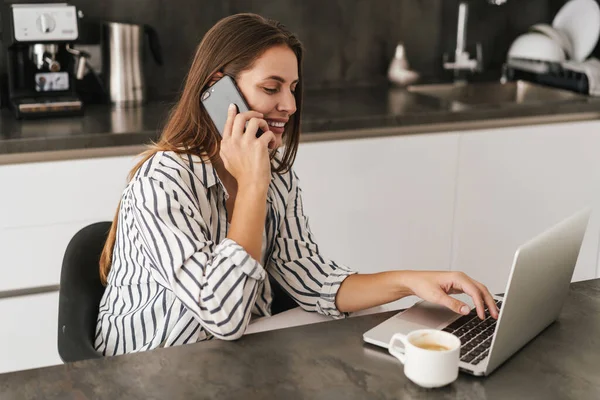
<point>81,292</point>
<point>281,300</point>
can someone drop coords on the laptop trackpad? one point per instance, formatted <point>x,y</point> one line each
<point>428,315</point>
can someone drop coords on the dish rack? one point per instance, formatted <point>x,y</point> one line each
<point>547,73</point>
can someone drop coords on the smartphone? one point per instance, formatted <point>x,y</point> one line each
<point>217,98</point>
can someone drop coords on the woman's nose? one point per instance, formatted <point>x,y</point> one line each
<point>287,104</point>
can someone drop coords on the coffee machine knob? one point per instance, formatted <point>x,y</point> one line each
<point>46,23</point>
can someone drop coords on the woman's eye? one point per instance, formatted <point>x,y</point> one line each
<point>270,90</point>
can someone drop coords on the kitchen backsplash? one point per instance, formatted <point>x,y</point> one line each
<point>348,42</point>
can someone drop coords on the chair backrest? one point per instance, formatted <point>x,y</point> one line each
<point>80,293</point>
<point>281,300</point>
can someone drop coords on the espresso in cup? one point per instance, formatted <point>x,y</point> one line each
<point>431,346</point>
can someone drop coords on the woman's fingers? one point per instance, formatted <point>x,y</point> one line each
<point>488,299</point>
<point>268,138</point>
<point>231,112</point>
<point>239,124</point>
<point>472,290</point>
<point>453,304</point>
<point>479,293</point>
<point>253,125</point>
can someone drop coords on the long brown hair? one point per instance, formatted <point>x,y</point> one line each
<point>230,46</point>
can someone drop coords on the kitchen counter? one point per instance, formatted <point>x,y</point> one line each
<point>327,360</point>
<point>330,114</point>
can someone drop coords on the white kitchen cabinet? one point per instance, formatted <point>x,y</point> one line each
<point>46,193</point>
<point>44,205</point>
<point>29,332</point>
<point>381,203</point>
<point>513,183</point>
<point>32,256</point>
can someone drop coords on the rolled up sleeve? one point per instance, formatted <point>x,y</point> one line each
<point>217,282</point>
<point>296,262</point>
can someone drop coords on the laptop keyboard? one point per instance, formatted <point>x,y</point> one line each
<point>475,335</point>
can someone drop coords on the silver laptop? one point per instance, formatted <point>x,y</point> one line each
<point>537,288</point>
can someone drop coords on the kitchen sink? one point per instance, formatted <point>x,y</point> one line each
<point>488,93</point>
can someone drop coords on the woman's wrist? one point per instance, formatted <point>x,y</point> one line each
<point>248,219</point>
<point>251,199</point>
<point>252,188</point>
<point>402,282</point>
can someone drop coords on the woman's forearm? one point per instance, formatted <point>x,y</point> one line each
<point>360,291</point>
<point>248,219</point>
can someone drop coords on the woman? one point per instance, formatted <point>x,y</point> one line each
<point>203,220</point>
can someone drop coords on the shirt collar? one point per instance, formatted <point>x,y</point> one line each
<point>206,173</point>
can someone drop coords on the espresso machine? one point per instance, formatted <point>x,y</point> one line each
<point>41,66</point>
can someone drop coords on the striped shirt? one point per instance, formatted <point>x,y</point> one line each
<point>176,278</point>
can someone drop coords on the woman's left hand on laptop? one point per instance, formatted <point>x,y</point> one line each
<point>436,287</point>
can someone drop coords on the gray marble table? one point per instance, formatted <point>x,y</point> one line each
<point>327,361</point>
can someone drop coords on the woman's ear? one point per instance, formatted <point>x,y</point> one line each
<point>214,78</point>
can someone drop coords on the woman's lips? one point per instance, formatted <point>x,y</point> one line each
<point>277,127</point>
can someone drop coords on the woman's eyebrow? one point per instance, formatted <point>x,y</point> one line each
<point>278,79</point>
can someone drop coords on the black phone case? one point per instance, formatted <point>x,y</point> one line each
<point>217,98</point>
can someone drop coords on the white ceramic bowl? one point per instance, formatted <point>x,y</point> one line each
<point>557,35</point>
<point>536,46</point>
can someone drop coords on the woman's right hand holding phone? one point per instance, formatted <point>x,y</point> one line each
<point>245,156</point>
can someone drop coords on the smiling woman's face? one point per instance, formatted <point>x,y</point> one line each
<point>269,87</point>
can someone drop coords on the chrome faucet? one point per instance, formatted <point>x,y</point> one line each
<point>462,58</point>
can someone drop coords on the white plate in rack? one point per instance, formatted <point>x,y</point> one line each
<point>580,20</point>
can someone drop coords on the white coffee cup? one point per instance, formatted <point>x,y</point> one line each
<point>430,356</point>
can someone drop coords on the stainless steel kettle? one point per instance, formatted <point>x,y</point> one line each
<point>123,61</point>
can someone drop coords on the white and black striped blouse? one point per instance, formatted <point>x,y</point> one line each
<point>176,278</point>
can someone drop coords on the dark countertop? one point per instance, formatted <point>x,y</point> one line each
<point>328,115</point>
<point>327,361</point>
